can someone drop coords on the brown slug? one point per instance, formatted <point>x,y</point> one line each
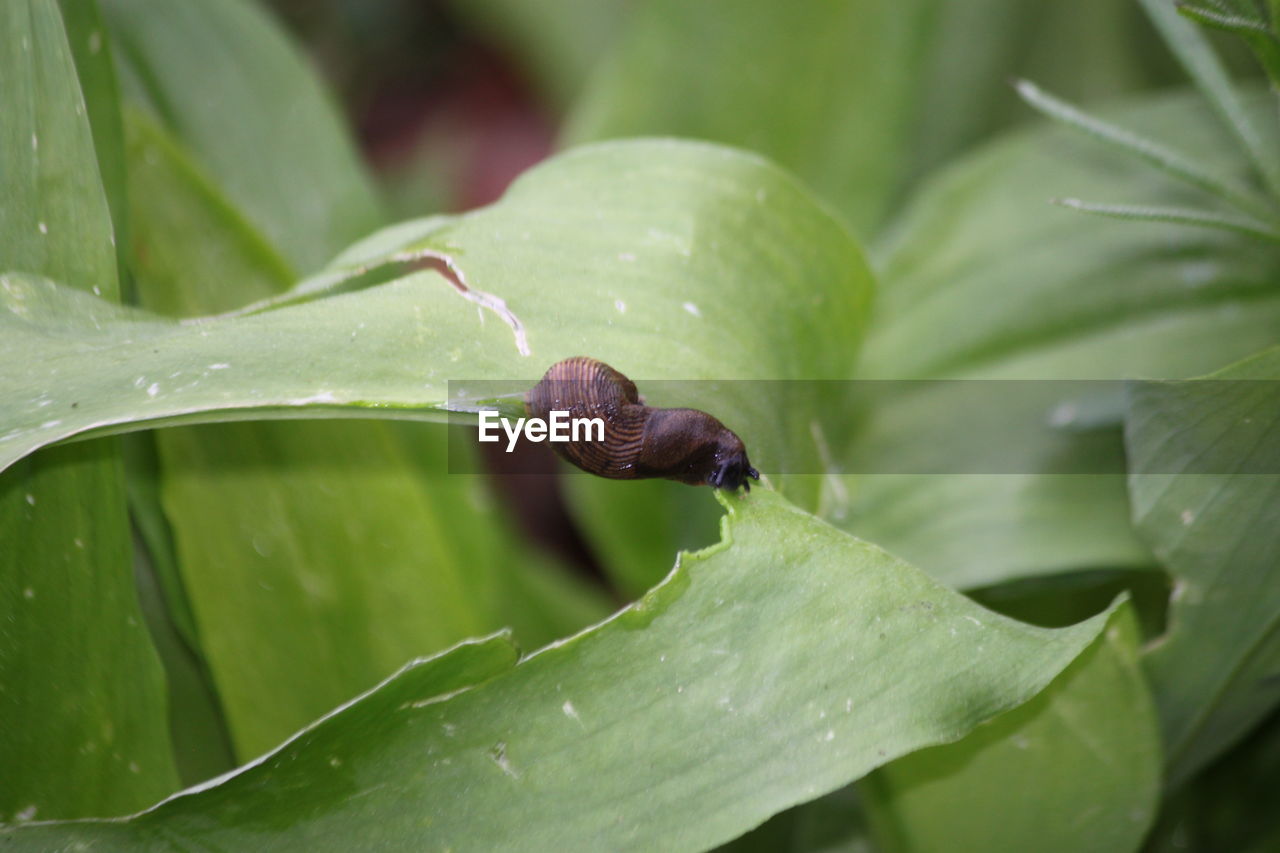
<point>639,441</point>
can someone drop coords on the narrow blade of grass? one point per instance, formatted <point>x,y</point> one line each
<point>1253,30</point>
<point>1204,68</point>
<point>1178,215</point>
<point>1167,160</point>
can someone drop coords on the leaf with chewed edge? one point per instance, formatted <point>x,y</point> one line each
<point>766,670</point>
<point>1216,525</point>
<point>666,259</point>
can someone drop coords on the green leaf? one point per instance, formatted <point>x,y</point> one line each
<point>1203,66</point>
<point>634,528</point>
<point>1247,226</point>
<point>278,527</point>
<point>974,530</point>
<point>81,691</point>
<point>963,101</point>
<point>856,97</point>
<point>827,93</point>
<point>983,278</point>
<point>1064,296</point>
<point>193,248</point>
<point>1218,531</point>
<point>538,597</point>
<point>92,53</point>
<point>227,83</point>
<point>1168,160</point>
<point>54,220</point>
<point>1090,742</point>
<point>765,671</point>
<point>1252,29</point>
<point>198,729</point>
<point>985,480</point>
<point>619,250</point>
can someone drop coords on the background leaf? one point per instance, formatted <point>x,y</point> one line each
<point>820,91</point>
<point>633,528</point>
<point>643,731</point>
<point>1091,742</point>
<point>91,50</point>
<point>317,557</point>
<point>1049,294</point>
<point>1214,673</point>
<point>238,95</point>
<point>856,97</point>
<point>964,101</point>
<point>81,691</point>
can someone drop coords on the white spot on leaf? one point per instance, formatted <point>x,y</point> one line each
<point>499,756</point>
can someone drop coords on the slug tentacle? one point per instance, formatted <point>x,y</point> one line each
<point>639,441</point>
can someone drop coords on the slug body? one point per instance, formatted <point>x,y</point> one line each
<point>639,441</point>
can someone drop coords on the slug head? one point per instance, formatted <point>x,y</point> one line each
<point>731,467</point>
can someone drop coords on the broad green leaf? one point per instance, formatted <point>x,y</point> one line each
<point>1218,531</point>
<point>964,100</point>
<point>81,692</point>
<point>1076,768</point>
<point>302,603</point>
<point>194,249</point>
<point>666,259</point>
<point>973,530</point>
<point>537,596</point>
<point>977,476</point>
<point>827,91</point>
<point>856,97</point>
<point>316,557</point>
<point>54,220</point>
<point>230,86</point>
<point>634,528</point>
<point>984,279</point>
<point>765,671</point>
